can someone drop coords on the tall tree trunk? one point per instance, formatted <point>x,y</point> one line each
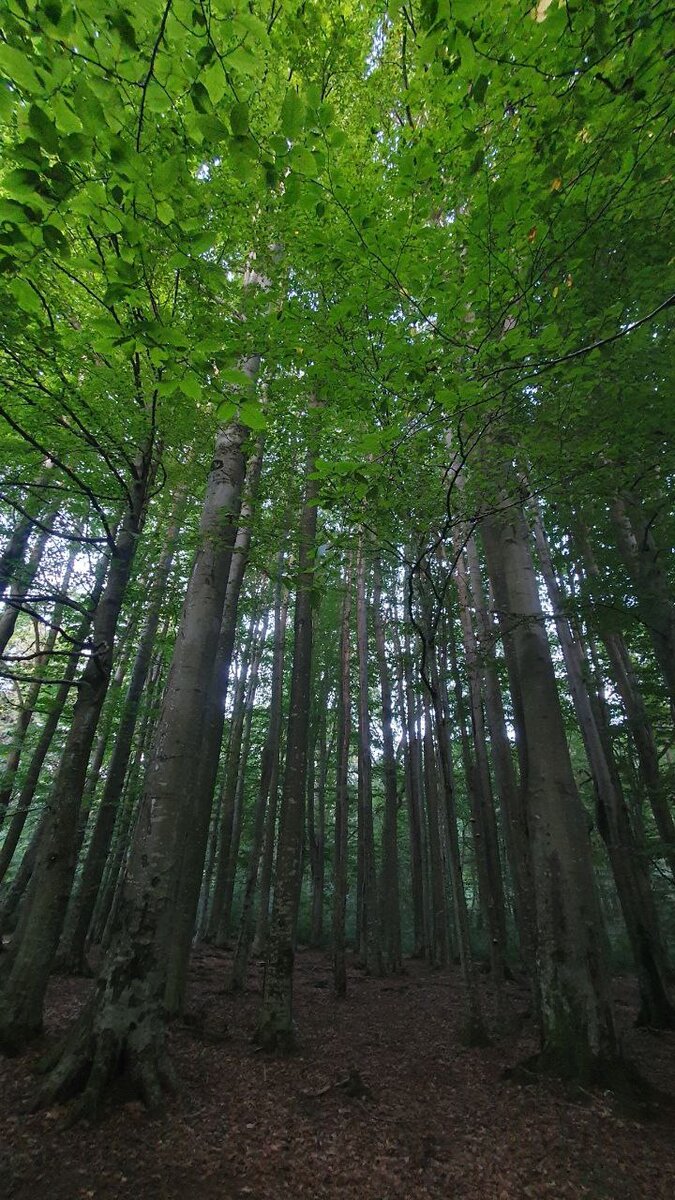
<point>438,948</point>
<point>128,808</point>
<point>229,788</point>
<point>223,930</point>
<point>484,823</point>
<point>29,960</point>
<point>638,719</point>
<point>275,1027</point>
<point>413,791</point>
<point>577,1031</point>
<point>215,717</point>
<point>391,902</point>
<point>344,723</point>
<point>316,814</point>
<point>476,1032</point>
<point>510,795</point>
<point>124,1024</point>
<point>81,907</point>
<point>57,705</point>
<point>28,705</point>
<point>269,770</point>
<point>13,553</point>
<point>629,868</point>
<point>369,947</point>
<point>24,576</point>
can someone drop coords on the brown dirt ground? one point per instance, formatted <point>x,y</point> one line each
<point>441,1121</point>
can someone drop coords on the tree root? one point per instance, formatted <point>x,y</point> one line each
<point>95,1052</point>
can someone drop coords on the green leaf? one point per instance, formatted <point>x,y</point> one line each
<point>15,66</point>
<point>235,376</point>
<point>191,387</point>
<point>215,82</point>
<point>44,129</point>
<point>239,119</point>
<point>25,296</point>
<point>292,115</point>
<point>66,120</point>
<point>252,415</point>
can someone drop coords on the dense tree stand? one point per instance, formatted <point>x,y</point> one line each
<point>337,594</point>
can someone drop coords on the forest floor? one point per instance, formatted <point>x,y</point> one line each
<point>438,1121</point>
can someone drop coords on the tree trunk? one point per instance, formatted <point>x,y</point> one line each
<point>510,795</point>
<point>28,706</point>
<point>24,576</point>
<point>476,1032</point>
<point>124,1024</point>
<point>438,947</point>
<point>344,724</point>
<point>228,791</point>
<point>269,769</point>
<point>80,910</point>
<point>577,1031</point>
<point>29,960</point>
<point>369,931</point>
<point>275,1027</point>
<point>629,868</point>
<point>223,930</point>
<point>391,902</point>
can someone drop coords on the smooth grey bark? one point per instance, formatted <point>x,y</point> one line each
<point>13,554</point>
<point>369,926</point>
<point>31,779</point>
<point>629,867</point>
<point>102,916</point>
<point>577,1028</point>
<point>269,770</point>
<point>124,1025</point>
<point>439,952</point>
<point>81,907</point>
<point>639,724</point>
<point>484,824</point>
<point>29,702</point>
<point>476,1031</point>
<point>510,794</point>
<point>23,578</point>
<point>419,878</point>
<point>223,929</point>
<point>215,718</point>
<point>275,1026</point>
<point>391,901</point>
<point>226,800</point>
<point>33,947</point>
<point>344,723</point>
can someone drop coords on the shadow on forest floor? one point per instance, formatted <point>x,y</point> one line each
<point>380,1103</point>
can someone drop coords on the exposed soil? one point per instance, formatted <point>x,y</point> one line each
<point>432,1119</point>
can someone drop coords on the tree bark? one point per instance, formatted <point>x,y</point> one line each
<point>29,960</point>
<point>275,1026</point>
<point>80,910</point>
<point>629,868</point>
<point>391,902</point>
<point>369,930</point>
<point>577,1029</point>
<point>124,1024</point>
<point>269,769</point>
<point>344,723</point>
